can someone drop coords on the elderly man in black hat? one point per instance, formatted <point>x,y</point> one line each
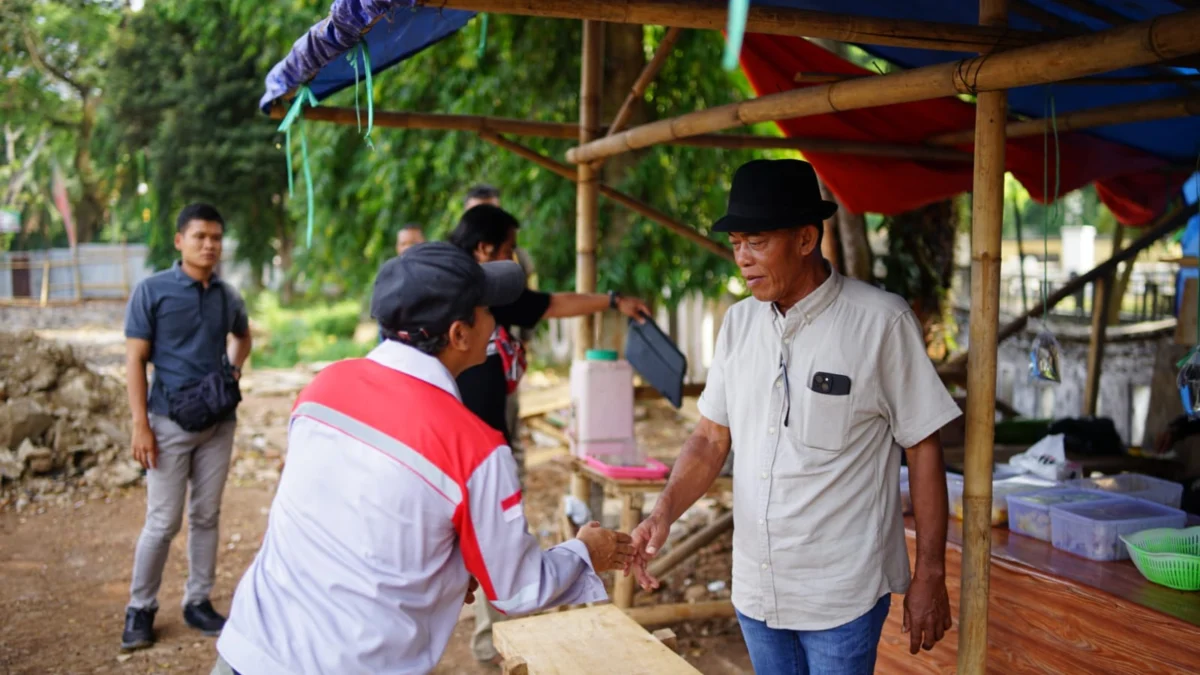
<point>818,381</point>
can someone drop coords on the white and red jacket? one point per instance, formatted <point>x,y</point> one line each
<point>393,497</point>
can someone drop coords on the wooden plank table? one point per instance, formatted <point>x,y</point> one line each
<point>593,641</point>
<point>1052,612</point>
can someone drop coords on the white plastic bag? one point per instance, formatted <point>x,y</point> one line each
<point>1047,459</point>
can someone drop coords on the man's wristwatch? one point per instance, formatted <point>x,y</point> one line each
<point>613,298</point>
<point>236,370</point>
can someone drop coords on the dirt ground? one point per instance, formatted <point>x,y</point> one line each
<point>65,567</point>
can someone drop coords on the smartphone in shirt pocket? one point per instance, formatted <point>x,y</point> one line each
<point>826,411</point>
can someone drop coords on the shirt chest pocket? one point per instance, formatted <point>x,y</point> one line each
<point>824,419</point>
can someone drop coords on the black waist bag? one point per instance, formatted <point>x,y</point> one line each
<point>199,405</point>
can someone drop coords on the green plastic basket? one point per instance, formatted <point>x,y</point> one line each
<point>1167,556</point>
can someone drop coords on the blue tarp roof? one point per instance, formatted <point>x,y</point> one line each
<point>396,31</point>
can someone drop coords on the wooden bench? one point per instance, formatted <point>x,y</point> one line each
<point>593,640</point>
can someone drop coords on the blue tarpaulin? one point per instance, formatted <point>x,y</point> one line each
<point>394,31</point>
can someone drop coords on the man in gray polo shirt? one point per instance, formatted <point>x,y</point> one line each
<point>816,383</point>
<point>178,320</point>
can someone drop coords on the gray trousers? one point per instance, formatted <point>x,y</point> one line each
<point>199,460</point>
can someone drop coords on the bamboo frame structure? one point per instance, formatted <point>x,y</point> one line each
<point>661,53</point>
<point>1132,45</point>
<point>587,213</point>
<point>987,224</point>
<point>658,615</point>
<point>480,124</point>
<point>621,198</point>
<point>1121,113</point>
<point>712,15</point>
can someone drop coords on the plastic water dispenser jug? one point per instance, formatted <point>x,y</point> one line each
<point>602,410</point>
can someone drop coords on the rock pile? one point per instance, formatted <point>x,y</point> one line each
<point>63,426</point>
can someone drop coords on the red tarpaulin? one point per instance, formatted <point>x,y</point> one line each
<point>1135,185</point>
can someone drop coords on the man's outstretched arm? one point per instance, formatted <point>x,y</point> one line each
<point>694,472</point>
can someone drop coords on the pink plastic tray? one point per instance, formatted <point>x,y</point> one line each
<point>652,470</point>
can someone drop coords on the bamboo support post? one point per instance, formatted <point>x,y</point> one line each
<point>46,280</point>
<point>987,224</point>
<point>77,274</point>
<point>625,200</point>
<point>1101,290</point>
<point>1175,217</point>
<point>631,515</point>
<point>1133,45</point>
<point>484,126</point>
<point>1122,113</point>
<point>688,547</point>
<point>661,615</point>
<point>644,79</point>
<point>586,194</point>
<point>713,15</point>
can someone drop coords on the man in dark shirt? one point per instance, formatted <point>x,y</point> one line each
<point>178,320</point>
<point>490,234</point>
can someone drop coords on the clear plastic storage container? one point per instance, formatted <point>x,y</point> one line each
<point>1001,489</point>
<point>1093,529</point>
<point>1029,514</point>
<point>1136,485</point>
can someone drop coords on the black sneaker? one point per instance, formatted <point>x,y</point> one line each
<point>139,629</point>
<point>204,618</point>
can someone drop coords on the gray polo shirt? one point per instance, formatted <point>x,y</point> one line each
<point>186,325</point>
<point>818,529</point>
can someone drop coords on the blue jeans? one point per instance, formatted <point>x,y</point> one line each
<point>846,650</point>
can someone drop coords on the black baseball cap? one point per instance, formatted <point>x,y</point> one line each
<point>432,285</point>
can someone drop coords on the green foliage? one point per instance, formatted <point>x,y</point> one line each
<point>364,196</point>
<point>185,80</point>
<point>315,333</point>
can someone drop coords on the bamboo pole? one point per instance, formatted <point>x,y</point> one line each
<point>1133,45</point>
<point>621,198</point>
<point>586,193</point>
<point>46,280</point>
<point>1112,81</point>
<point>1121,113</point>
<point>631,515</point>
<point>1101,290</point>
<point>712,15</point>
<point>647,76</point>
<point>1174,218</point>
<point>987,224</point>
<point>658,615</point>
<point>688,547</point>
<point>479,124</point>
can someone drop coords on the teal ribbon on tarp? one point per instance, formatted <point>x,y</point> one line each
<point>364,53</point>
<point>735,30</point>
<point>483,31</point>
<point>303,96</point>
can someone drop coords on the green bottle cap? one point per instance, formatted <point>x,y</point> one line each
<point>601,355</point>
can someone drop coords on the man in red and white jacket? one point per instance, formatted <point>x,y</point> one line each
<point>396,498</point>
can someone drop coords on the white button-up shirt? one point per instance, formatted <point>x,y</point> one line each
<point>818,527</point>
<point>394,495</point>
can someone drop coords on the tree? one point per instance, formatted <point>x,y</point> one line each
<point>55,52</point>
<point>185,78</point>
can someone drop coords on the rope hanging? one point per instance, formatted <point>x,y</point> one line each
<point>483,32</point>
<point>303,96</point>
